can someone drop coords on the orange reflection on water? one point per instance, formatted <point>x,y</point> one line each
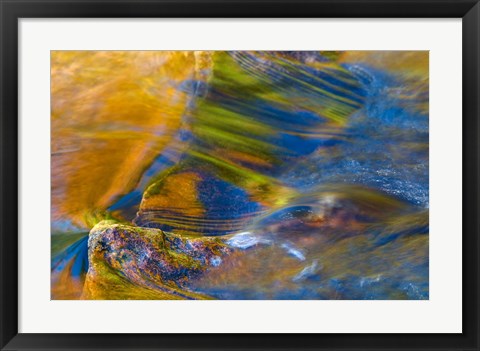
<point>112,114</point>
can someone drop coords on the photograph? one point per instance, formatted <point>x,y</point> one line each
<point>239,175</point>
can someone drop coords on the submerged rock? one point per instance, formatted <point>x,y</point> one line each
<point>129,262</point>
<point>195,203</point>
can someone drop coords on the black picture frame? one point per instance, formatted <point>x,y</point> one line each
<point>11,11</point>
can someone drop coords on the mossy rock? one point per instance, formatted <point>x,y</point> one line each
<point>128,262</point>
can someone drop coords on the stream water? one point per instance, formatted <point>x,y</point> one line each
<point>312,166</point>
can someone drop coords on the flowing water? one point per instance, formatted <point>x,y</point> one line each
<point>311,166</point>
